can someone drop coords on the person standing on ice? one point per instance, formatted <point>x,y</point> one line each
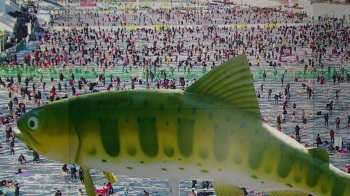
<point>81,175</point>
<point>17,186</point>
<point>12,145</point>
<point>73,171</point>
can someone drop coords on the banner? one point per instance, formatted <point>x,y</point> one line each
<point>88,4</point>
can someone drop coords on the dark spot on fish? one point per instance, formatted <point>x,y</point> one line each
<point>237,159</point>
<point>110,136</point>
<point>289,185</point>
<point>167,123</point>
<point>324,189</point>
<point>163,169</point>
<point>242,125</point>
<point>148,136</point>
<point>216,128</point>
<point>142,162</point>
<point>211,116</point>
<point>297,179</point>
<point>254,177</point>
<point>284,166</point>
<point>169,151</point>
<point>222,143</point>
<point>205,171</point>
<point>185,136</point>
<point>127,120</point>
<point>180,168</point>
<point>313,176</point>
<point>255,156</point>
<point>179,108</point>
<point>194,111</point>
<point>164,161</point>
<point>92,152</point>
<point>199,164</point>
<point>104,161</point>
<point>162,107</point>
<point>268,168</point>
<point>131,151</point>
<point>203,153</point>
<point>241,141</point>
<point>220,169</point>
<point>145,104</point>
<point>128,167</point>
<point>228,119</point>
<point>262,182</point>
<point>179,159</point>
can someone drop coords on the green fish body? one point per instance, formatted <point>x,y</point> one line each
<point>212,130</point>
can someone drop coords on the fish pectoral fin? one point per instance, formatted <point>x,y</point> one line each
<point>110,177</point>
<point>287,193</point>
<point>222,189</point>
<point>89,184</point>
<point>232,83</point>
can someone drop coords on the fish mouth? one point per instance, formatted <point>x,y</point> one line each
<point>20,136</point>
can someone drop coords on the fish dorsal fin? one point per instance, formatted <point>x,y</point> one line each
<point>110,177</point>
<point>231,82</point>
<point>319,154</point>
<point>287,193</point>
<point>225,189</point>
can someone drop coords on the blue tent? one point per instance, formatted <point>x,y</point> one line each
<point>53,3</point>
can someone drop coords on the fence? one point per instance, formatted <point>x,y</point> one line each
<point>125,73</point>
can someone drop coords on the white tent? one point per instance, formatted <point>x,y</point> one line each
<point>43,16</point>
<point>260,3</point>
<point>7,23</point>
<point>43,12</point>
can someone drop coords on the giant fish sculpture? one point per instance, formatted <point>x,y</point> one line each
<point>212,130</point>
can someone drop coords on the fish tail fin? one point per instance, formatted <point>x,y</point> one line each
<point>110,177</point>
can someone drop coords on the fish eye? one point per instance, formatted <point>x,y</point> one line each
<point>33,123</point>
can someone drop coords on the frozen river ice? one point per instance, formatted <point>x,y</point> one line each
<point>47,175</point>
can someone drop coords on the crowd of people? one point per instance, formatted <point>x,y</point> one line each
<point>170,44</point>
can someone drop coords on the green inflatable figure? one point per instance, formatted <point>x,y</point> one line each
<point>199,133</point>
